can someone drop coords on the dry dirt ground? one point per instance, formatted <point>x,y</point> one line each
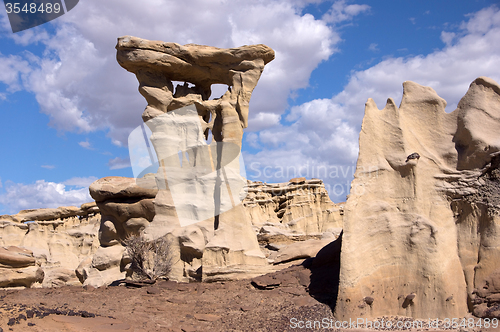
<point>266,305</point>
<point>275,302</point>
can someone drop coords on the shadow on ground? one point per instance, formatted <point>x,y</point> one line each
<point>325,273</point>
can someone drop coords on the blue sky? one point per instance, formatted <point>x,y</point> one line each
<point>67,107</point>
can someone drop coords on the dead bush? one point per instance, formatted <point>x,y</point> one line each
<point>150,260</point>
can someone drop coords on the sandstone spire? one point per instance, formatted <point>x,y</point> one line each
<point>200,185</point>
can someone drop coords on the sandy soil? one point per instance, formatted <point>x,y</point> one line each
<point>166,306</point>
<point>275,302</point>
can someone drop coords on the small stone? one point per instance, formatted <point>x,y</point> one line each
<point>369,300</point>
<point>265,282</point>
<point>86,314</point>
<point>298,180</point>
<point>188,328</point>
<point>246,308</point>
<point>177,301</point>
<point>206,317</point>
<point>153,290</point>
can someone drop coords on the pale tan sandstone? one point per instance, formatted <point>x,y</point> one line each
<point>191,189</point>
<point>60,276</point>
<point>126,209</point>
<point>18,267</point>
<point>299,250</point>
<point>26,276</point>
<point>56,245</point>
<point>157,63</point>
<point>117,187</point>
<point>425,227</point>
<point>104,267</point>
<point>16,257</point>
<point>300,206</point>
<point>198,255</point>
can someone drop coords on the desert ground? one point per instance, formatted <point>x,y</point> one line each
<point>286,300</point>
<point>261,304</point>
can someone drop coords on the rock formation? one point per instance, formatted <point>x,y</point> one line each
<point>52,241</point>
<point>18,267</point>
<point>74,246</point>
<point>301,206</point>
<point>421,234</point>
<point>200,192</point>
<point>418,235</point>
<point>291,214</point>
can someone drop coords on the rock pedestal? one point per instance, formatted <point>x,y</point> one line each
<point>199,184</point>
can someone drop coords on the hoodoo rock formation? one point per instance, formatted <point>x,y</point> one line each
<point>71,246</point>
<point>421,234</point>
<point>201,192</point>
<point>420,228</point>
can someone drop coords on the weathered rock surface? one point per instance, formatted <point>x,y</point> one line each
<point>426,227</point>
<point>157,63</point>
<point>26,276</point>
<point>198,253</point>
<point>52,214</point>
<point>116,187</point>
<point>299,250</point>
<point>300,206</point>
<point>80,248</point>
<point>18,267</point>
<point>47,242</point>
<point>206,183</point>
<point>16,257</point>
<point>126,208</point>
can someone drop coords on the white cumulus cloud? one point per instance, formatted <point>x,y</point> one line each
<point>323,133</point>
<point>80,86</point>
<point>42,194</point>
<point>86,145</point>
<point>340,11</point>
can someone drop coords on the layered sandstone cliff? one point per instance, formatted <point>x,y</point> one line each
<point>74,246</point>
<point>54,241</point>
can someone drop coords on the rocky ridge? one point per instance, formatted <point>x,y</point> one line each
<point>51,242</point>
<point>74,246</point>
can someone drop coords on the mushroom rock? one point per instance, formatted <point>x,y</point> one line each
<point>200,187</point>
<point>428,225</point>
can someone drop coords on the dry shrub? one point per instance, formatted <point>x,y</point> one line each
<point>150,260</point>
